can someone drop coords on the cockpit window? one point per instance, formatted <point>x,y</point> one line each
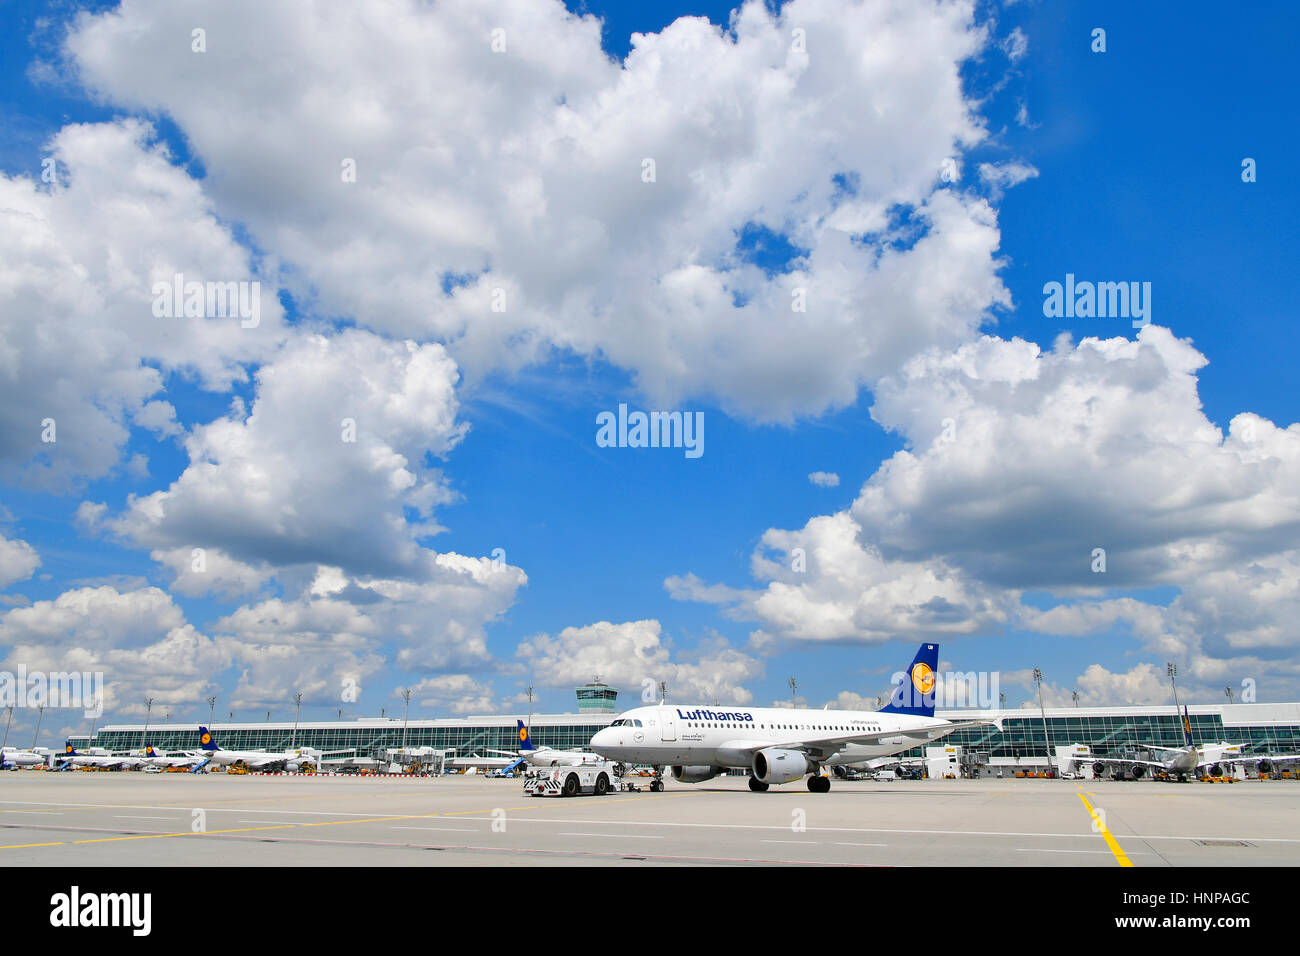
<point>636,723</point>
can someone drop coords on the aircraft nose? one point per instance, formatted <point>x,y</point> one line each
<point>603,738</point>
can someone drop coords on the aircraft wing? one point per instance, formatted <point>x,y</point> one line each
<point>1126,761</point>
<point>830,744</point>
<point>268,760</point>
<point>985,722</point>
<point>1248,758</point>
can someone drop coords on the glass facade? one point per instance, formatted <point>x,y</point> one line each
<point>1272,728</point>
<point>363,738</point>
<point>1113,733</point>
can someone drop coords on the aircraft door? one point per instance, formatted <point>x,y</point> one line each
<point>667,724</point>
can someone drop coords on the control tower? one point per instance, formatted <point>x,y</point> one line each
<point>597,698</point>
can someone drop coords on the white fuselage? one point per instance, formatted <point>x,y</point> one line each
<point>257,758</point>
<point>546,757</point>
<point>716,736</point>
<point>1187,759</point>
<point>172,760</point>
<point>102,758</point>
<point>23,758</point>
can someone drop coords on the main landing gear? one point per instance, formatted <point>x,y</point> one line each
<point>819,784</point>
<point>757,785</point>
<point>657,781</point>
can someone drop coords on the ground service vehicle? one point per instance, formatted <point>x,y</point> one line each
<point>597,778</point>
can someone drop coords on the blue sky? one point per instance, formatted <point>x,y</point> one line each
<point>1130,162</point>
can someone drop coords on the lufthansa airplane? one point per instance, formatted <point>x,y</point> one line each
<point>290,760</point>
<point>546,756</point>
<point>780,746</point>
<point>1189,760</point>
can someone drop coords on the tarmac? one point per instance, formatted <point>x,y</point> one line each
<point>132,819</point>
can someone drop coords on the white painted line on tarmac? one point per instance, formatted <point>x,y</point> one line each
<point>441,829</point>
<point>617,836</point>
<point>145,806</point>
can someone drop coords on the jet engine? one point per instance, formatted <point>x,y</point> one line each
<point>695,774</point>
<point>1216,770</point>
<point>775,765</point>
<point>1138,771</point>
<point>1266,766</point>
<point>1098,769</point>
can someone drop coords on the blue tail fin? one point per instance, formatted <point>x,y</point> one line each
<point>1187,729</point>
<point>915,695</point>
<point>205,739</point>
<point>525,744</point>
<point>69,750</point>
<point>149,751</point>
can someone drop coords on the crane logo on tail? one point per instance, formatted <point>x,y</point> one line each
<point>923,678</point>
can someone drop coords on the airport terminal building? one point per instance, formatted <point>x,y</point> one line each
<point>1027,737</point>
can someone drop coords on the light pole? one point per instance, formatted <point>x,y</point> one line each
<point>1047,743</point>
<point>1075,695</point>
<point>40,712</point>
<point>1172,670</point>
<point>7,723</point>
<point>148,709</point>
<point>212,705</point>
<point>794,693</point>
<point>406,699</point>
<point>1228,690</point>
<point>297,699</point>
